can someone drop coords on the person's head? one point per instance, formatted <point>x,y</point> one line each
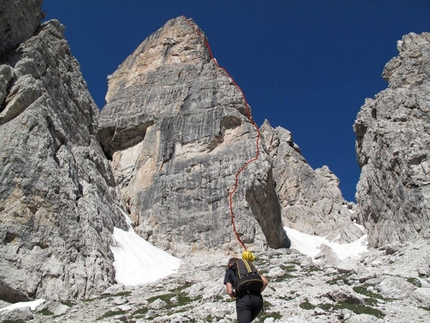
<point>231,261</point>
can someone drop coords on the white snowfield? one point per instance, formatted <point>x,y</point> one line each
<point>138,262</point>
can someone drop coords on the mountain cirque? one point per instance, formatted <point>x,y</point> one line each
<point>165,149</point>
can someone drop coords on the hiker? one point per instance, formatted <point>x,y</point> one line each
<point>249,301</point>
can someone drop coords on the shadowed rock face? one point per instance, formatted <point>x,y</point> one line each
<point>57,195</point>
<point>19,20</point>
<point>393,144</point>
<point>177,130</point>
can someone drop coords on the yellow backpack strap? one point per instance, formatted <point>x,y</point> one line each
<point>248,267</point>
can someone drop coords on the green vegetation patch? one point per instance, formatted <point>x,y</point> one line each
<point>111,313</point>
<point>288,269</point>
<point>45,312</point>
<point>174,298</point>
<point>335,280</point>
<point>414,281</point>
<point>360,309</point>
<point>260,262</point>
<point>265,315</point>
<point>105,296</point>
<point>306,305</point>
<point>140,312</point>
<point>356,308</point>
<point>181,298</point>
<point>372,297</point>
<point>96,298</point>
<point>314,268</point>
<point>68,303</point>
<point>124,293</point>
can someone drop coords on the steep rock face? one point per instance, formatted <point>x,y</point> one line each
<point>393,144</point>
<point>177,129</point>
<point>19,20</point>
<point>57,195</point>
<point>311,201</point>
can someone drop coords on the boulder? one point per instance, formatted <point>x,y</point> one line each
<point>22,314</point>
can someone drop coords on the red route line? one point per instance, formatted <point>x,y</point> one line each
<point>248,114</point>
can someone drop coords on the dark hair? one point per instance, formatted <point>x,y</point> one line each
<point>231,261</point>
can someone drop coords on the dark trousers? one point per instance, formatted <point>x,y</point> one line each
<point>248,307</point>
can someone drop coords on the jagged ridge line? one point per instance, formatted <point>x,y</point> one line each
<point>248,115</point>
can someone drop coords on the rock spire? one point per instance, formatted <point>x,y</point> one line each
<point>393,144</point>
<point>176,128</point>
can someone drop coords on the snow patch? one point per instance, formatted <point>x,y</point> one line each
<point>31,304</point>
<point>311,245</point>
<point>137,261</point>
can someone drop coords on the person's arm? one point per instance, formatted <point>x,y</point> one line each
<point>229,290</point>
<point>265,283</point>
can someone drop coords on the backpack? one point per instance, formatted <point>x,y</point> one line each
<point>248,278</point>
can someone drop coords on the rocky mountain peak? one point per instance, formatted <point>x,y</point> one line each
<point>410,68</point>
<point>160,79</point>
<point>179,42</point>
<point>176,127</point>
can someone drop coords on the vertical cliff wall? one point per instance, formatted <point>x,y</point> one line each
<point>57,194</point>
<point>393,145</point>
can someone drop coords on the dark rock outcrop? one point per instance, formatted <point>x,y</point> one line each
<point>19,20</point>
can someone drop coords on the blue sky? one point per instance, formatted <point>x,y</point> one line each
<point>306,66</point>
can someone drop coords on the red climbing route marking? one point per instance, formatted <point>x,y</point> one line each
<point>248,115</point>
